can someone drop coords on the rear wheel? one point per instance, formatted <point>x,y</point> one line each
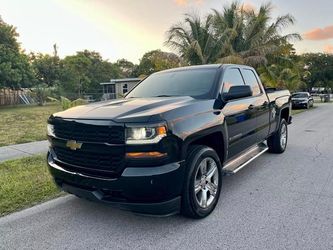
<point>277,142</point>
<point>202,186</point>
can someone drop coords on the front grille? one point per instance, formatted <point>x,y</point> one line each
<point>94,158</point>
<point>104,163</point>
<point>71,130</point>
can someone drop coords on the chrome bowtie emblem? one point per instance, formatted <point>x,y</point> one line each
<point>73,145</point>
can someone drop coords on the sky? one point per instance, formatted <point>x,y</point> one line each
<point>129,28</point>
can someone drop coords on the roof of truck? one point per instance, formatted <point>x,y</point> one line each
<point>205,66</point>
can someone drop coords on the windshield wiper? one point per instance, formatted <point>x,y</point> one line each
<point>165,95</point>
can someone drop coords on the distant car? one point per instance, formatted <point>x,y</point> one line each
<point>302,100</point>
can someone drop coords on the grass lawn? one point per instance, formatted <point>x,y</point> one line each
<point>24,183</point>
<point>22,124</point>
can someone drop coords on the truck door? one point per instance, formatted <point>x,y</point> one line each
<point>261,104</point>
<point>239,115</point>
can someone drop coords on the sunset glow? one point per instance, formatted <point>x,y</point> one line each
<point>128,28</point>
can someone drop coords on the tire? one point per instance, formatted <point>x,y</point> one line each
<point>277,142</point>
<point>198,200</point>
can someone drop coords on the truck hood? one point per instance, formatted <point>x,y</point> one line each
<point>129,110</point>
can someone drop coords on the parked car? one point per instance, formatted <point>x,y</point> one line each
<point>164,148</point>
<point>302,100</point>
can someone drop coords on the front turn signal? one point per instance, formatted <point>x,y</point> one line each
<point>143,155</point>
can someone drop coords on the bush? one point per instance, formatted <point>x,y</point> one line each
<point>66,103</point>
<point>40,93</point>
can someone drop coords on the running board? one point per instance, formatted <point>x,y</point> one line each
<point>245,158</point>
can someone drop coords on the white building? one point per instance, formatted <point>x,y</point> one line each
<point>116,88</point>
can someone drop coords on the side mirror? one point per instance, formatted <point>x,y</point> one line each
<point>238,91</point>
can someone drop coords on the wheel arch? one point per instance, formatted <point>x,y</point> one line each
<point>285,113</point>
<point>214,138</point>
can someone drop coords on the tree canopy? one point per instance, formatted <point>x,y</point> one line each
<point>233,35</point>
<point>15,70</point>
<point>157,60</point>
<point>320,68</point>
<point>83,72</point>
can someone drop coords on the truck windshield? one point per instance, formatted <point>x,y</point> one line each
<point>197,83</point>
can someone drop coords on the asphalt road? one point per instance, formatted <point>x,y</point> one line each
<point>277,202</point>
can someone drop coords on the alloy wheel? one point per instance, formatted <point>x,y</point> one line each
<point>283,136</point>
<point>206,182</point>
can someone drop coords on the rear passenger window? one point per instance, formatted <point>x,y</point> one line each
<point>251,80</point>
<point>232,77</point>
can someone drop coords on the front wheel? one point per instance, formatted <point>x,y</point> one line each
<point>203,181</point>
<point>277,142</point>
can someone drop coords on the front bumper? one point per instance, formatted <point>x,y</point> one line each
<point>146,190</point>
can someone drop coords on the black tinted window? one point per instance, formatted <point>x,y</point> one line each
<point>251,80</point>
<point>196,83</point>
<point>232,77</point>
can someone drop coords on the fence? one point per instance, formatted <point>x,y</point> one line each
<point>14,97</point>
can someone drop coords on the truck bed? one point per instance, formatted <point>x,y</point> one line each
<point>280,97</point>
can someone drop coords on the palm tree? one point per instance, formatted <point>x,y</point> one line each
<point>228,25</point>
<point>282,76</point>
<point>193,39</point>
<point>254,37</point>
<point>234,35</point>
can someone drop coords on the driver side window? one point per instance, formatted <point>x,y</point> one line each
<point>232,77</point>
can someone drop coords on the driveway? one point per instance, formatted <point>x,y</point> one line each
<point>277,202</point>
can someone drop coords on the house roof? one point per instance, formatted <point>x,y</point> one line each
<point>113,81</point>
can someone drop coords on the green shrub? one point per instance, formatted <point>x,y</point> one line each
<point>66,103</point>
<point>40,93</point>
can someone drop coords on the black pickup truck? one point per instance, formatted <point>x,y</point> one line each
<point>164,148</point>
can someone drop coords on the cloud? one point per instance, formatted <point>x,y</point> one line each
<point>247,6</point>
<point>319,33</point>
<point>186,2</point>
<point>181,2</point>
<point>328,48</point>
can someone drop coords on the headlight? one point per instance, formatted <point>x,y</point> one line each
<point>145,135</point>
<point>50,130</point>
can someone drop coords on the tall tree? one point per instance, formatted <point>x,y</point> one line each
<point>253,36</point>
<point>15,70</point>
<point>83,73</point>
<point>194,41</point>
<point>233,35</point>
<point>157,60</point>
<point>320,68</point>
<point>127,68</point>
<point>46,67</point>
<point>284,69</point>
